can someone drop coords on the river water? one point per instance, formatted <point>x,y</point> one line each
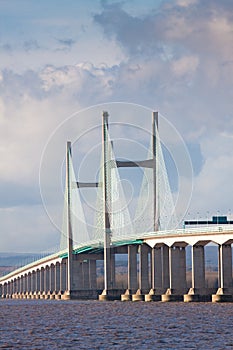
<point>52,324</point>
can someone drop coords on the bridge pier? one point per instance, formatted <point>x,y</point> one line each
<point>143,277</point>
<point>132,273</point>
<point>29,282</point>
<point>9,290</point>
<point>63,277</point>
<point>92,274</point>
<point>4,290</point>
<point>52,281</point>
<point>157,273</point>
<point>33,283</point>
<point>41,282</point>
<point>56,280</point>
<point>111,292</point>
<point>36,284</point>
<point>177,274</point>
<point>84,285</point>
<point>198,291</point>
<point>225,287</point>
<point>84,275</point>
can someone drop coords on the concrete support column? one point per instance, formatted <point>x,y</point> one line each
<point>156,268</point>
<point>52,278</point>
<point>57,277</point>
<point>156,274</point>
<point>42,279</point>
<point>25,284</point>
<point>80,273</point>
<point>37,280</point>
<point>63,274</point>
<point>165,267</point>
<point>198,269</point>
<point>177,269</point>
<point>132,276</point>
<point>92,274</point>
<point>177,274</point>
<point>225,290</point>
<point>18,284</point>
<point>113,271</point>
<point>225,253</point>
<point>29,282</point>
<point>107,264</point>
<point>21,284</point>
<point>46,279</point>
<point>132,268</point>
<point>14,286</point>
<point>4,289</point>
<point>198,291</point>
<point>8,288</point>
<point>143,269</point>
<point>33,281</point>
<point>85,274</point>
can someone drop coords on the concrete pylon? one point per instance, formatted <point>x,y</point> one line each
<point>155,121</point>
<point>106,294</point>
<point>69,275</point>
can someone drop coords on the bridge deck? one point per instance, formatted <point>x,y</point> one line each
<point>215,234</point>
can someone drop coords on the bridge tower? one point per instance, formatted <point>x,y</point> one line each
<point>69,225</point>
<point>108,292</point>
<point>111,217</point>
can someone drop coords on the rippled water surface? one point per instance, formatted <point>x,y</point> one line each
<point>41,324</point>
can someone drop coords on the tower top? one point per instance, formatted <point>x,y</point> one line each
<point>105,114</point>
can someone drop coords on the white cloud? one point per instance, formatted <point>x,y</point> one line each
<point>78,77</point>
<point>2,110</point>
<point>191,85</point>
<point>213,187</point>
<point>27,229</point>
<point>186,3</point>
<point>186,65</point>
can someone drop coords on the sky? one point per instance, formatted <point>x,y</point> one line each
<point>61,57</point>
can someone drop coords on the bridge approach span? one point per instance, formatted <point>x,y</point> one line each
<point>156,269</point>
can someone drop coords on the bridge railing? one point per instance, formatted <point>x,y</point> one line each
<point>182,231</point>
<point>30,265</point>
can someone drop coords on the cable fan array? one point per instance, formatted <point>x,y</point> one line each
<point>121,223</point>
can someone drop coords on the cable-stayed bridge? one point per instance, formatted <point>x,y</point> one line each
<point>155,246</point>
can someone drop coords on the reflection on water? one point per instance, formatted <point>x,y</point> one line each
<point>41,324</point>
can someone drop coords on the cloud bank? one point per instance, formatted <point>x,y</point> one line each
<point>176,58</point>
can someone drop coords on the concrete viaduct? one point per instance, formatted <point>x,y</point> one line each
<point>156,270</point>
